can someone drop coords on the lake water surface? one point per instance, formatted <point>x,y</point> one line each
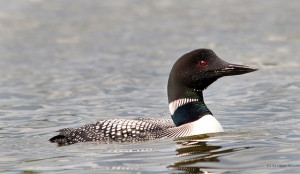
<point>70,63</point>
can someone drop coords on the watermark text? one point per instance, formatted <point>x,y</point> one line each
<point>282,165</point>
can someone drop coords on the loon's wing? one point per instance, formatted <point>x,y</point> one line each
<point>119,130</point>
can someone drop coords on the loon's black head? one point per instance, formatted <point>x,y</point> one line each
<point>196,70</point>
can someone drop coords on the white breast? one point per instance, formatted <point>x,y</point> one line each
<point>206,124</point>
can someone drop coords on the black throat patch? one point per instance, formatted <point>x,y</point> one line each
<point>190,112</point>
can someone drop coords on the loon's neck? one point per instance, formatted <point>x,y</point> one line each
<point>189,107</point>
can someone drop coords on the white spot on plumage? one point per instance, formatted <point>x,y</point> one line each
<point>119,127</point>
<point>129,123</point>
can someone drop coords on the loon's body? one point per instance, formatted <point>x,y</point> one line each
<point>190,75</point>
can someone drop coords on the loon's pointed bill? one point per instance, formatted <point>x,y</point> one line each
<point>235,69</point>
<point>191,74</point>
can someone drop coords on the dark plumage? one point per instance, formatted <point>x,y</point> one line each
<point>119,130</point>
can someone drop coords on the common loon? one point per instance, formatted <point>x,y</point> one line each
<point>190,75</point>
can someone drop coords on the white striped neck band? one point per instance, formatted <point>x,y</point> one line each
<point>177,103</point>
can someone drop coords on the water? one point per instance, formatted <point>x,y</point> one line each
<point>70,63</point>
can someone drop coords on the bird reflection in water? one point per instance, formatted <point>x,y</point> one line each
<point>196,151</point>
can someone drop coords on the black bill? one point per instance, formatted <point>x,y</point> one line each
<point>234,69</point>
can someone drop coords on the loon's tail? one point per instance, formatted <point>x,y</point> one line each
<point>61,138</point>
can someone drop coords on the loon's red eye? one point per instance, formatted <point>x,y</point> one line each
<point>203,63</point>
